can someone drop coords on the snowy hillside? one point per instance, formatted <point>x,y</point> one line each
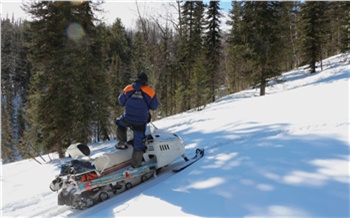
<point>283,154</point>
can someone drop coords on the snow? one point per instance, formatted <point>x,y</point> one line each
<point>282,154</point>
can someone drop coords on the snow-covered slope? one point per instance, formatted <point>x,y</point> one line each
<point>283,154</point>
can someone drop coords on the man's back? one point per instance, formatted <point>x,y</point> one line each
<point>138,99</point>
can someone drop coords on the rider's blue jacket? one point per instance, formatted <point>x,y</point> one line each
<point>138,99</point>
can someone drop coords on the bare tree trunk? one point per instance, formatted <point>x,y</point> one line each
<point>60,151</point>
<point>262,83</point>
<point>49,157</point>
<point>143,23</point>
<point>321,59</point>
<point>36,151</point>
<point>33,158</point>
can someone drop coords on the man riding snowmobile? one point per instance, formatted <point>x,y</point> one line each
<point>138,98</point>
<point>87,179</point>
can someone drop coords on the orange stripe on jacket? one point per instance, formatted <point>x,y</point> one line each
<point>128,89</point>
<point>149,91</point>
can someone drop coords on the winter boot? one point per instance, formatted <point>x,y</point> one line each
<point>136,159</point>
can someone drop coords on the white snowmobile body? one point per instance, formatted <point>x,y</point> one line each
<point>84,181</point>
<point>161,147</point>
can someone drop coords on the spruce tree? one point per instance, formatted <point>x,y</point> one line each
<point>119,59</point>
<point>290,35</point>
<point>139,55</point>
<point>262,29</point>
<point>192,27</point>
<point>7,90</point>
<point>8,153</point>
<point>163,67</point>
<point>187,55</point>
<point>69,90</point>
<point>200,83</point>
<point>345,27</point>
<point>213,45</point>
<point>314,31</point>
<point>14,80</point>
<point>237,53</point>
<point>119,52</point>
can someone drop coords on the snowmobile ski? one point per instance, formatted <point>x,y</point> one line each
<point>199,155</point>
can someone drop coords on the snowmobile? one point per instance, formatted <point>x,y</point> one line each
<point>91,179</point>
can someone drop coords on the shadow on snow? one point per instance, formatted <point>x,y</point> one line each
<point>262,165</point>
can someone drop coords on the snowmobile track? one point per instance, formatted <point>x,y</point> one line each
<point>121,198</point>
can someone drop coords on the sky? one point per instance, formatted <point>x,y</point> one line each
<point>285,154</point>
<point>126,10</point>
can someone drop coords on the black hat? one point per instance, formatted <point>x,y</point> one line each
<point>142,78</point>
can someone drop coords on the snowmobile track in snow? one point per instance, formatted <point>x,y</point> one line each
<point>121,198</point>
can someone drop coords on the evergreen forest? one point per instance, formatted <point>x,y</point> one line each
<point>62,71</point>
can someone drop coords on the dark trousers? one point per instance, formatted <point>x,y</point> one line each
<point>138,130</point>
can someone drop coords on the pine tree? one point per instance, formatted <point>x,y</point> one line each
<point>314,31</point>
<point>8,154</point>
<point>290,35</point>
<point>69,90</point>
<point>119,52</point>
<point>187,55</point>
<point>191,44</point>
<point>262,29</point>
<point>119,59</point>
<point>163,68</point>
<point>237,54</point>
<point>213,45</point>
<point>345,27</point>
<point>139,55</point>
<point>200,83</point>
<point>7,92</point>
<point>14,78</point>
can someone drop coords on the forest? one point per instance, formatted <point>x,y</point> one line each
<point>62,71</point>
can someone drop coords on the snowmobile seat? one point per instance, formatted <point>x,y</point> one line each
<point>107,160</point>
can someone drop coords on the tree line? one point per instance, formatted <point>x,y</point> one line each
<point>61,72</point>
